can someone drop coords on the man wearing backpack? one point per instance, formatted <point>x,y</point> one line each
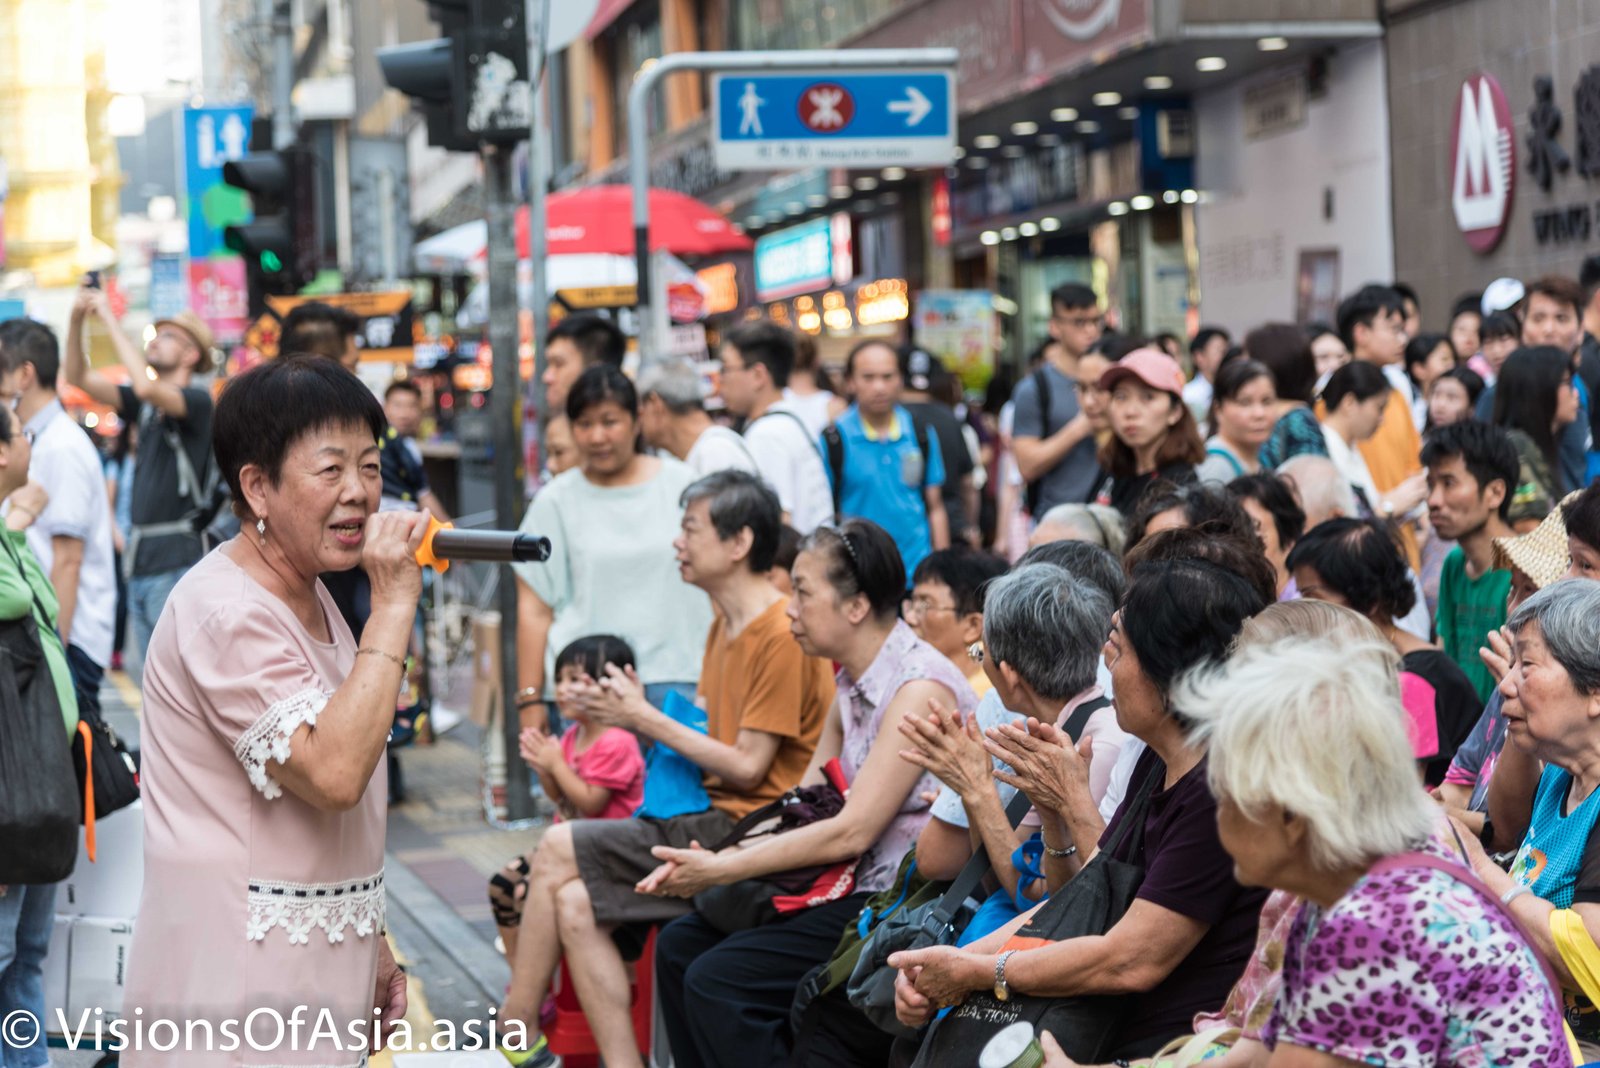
<point>882,464</point>
<point>1052,439</point>
<point>174,477</point>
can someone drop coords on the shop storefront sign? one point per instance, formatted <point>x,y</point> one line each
<point>385,323</point>
<point>797,260</point>
<point>1008,186</point>
<point>1009,48</point>
<point>960,327</point>
<point>1554,169</point>
<point>1483,162</point>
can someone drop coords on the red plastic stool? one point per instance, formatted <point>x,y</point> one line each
<point>569,1035</point>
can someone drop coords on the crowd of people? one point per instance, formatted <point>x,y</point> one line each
<point>1251,705</point>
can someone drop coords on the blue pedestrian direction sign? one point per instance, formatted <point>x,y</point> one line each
<point>835,118</point>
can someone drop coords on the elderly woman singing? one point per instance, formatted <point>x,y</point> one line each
<point>263,737</point>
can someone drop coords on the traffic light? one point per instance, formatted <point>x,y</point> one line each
<point>472,83</point>
<point>281,246</point>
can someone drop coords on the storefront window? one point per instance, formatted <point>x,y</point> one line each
<point>632,43</point>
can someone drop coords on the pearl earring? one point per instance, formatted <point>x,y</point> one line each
<point>261,530</point>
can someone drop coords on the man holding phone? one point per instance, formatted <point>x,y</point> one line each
<point>174,476</point>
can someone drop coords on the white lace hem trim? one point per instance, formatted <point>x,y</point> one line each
<point>267,739</point>
<point>300,908</point>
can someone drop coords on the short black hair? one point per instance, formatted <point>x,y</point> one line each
<point>1500,324</point>
<point>869,343</point>
<point>768,344</point>
<point>1181,613</point>
<point>1561,289</point>
<point>599,383</point>
<point>965,570</point>
<point>593,652</point>
<point>1363,307</point>
<point>1234,375</point>
<point>1471,380</point>
<point>1485,450</point>
<point>1582,516</point>
<point>1272,492</point>
<point>788,547</point>
<point>263,412</point>
<point>1205,335</point>
<point>1407,293</point>
<point>317,329</point>
<point>1589,277</point>
<point>1360,561</point>
<point>403,385</point>
<point>1069,296</point>
<point>30,341</point>
<point>1355,379</point>
<point>1218,544</point>
<point>1467,303</point>
<point>741,501</point>
<point>861,559</point>
<point>598,339</point>
<point>1095,565</point>
<point>1419,348</point>
<point>1200,503</point>
<point>1286,351</point>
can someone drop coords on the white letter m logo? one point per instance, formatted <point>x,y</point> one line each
<point>1482,162</point>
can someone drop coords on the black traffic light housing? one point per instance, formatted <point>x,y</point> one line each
<point>282,244</point>
<point>460,81</point>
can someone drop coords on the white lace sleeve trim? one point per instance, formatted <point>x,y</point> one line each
<point>299,908</point>
<point>268,737</point>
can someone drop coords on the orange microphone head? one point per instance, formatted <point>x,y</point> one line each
<point>425,556</point>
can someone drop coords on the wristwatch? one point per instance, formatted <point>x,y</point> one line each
<point>1002,989</point>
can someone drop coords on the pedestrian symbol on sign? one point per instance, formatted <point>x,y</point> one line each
<point>827,108</point>
<point>750,104</point>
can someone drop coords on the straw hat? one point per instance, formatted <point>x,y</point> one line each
<point>1541,554</point>
<point>196,328</point>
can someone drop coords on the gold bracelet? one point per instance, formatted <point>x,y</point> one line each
<point>367,650</point>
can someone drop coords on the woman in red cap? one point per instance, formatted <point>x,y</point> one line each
<point>1153,433</point>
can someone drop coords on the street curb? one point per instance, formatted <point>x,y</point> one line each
<point>456,939</point>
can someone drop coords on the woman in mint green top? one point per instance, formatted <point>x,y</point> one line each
<point>24,587</point>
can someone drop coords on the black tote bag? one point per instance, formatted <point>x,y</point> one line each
<point>1091,904</point>
<point>38,791</point>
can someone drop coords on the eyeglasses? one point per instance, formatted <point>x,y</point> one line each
<point>917,607</point>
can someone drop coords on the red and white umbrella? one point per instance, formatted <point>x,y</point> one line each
<point>599,218</point>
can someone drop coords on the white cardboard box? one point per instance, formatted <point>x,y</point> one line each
<point>110,886</point>
<point>57,970</point>
<point>98,969</point>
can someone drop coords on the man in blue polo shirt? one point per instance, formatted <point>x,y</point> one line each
<point>877,467</point>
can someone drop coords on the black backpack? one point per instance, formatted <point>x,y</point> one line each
<point>38,790</point>
<point>1033,492</point>
<point>833,447</point>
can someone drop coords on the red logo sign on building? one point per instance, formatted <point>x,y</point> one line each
<point>1483,162</point>
<point>827,108</point>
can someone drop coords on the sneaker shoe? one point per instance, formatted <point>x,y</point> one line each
<point>537,1057</point>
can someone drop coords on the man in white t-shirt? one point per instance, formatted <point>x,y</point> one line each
<point>672,418</point>
<point>756,361</point>
<point>72,536</point>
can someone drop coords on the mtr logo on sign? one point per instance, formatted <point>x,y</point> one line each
<point>1483,162</point>
<point>827,108</point>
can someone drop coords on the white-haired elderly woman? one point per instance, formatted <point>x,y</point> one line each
<point>1552,709</point>
<point>1395,958</point>
<point>1097,524</point>
<point>1042,632</point>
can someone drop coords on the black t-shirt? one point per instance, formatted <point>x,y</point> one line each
<point>953,451</point>
<point>155,476</point>
<point>403,475</point>
<point>1456,706</point>
<point>1123,493</point>
<point>1188,872</point>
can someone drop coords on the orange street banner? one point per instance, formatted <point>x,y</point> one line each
<point>385,323</point>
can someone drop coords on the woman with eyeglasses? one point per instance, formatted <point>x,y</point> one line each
<point>726,997</point>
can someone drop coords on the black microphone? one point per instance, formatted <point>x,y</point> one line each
<point>443,543</point>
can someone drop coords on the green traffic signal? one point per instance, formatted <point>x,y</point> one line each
<point>270,262</point>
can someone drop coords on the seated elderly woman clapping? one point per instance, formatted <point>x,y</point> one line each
<point>1042,630</point>
<point>1399,956</point>
<point>1186,937</point>
<point>1552,708</point>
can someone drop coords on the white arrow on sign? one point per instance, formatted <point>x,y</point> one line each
<point>914,107</point>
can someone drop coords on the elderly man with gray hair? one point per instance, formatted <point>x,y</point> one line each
<point>1043,628</point>
<point>673,418</point>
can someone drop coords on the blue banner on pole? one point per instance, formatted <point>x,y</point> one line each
<point>211,137</point>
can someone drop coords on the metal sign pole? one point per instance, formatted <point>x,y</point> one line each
<point>538,18</point>
<point>639,97</point>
